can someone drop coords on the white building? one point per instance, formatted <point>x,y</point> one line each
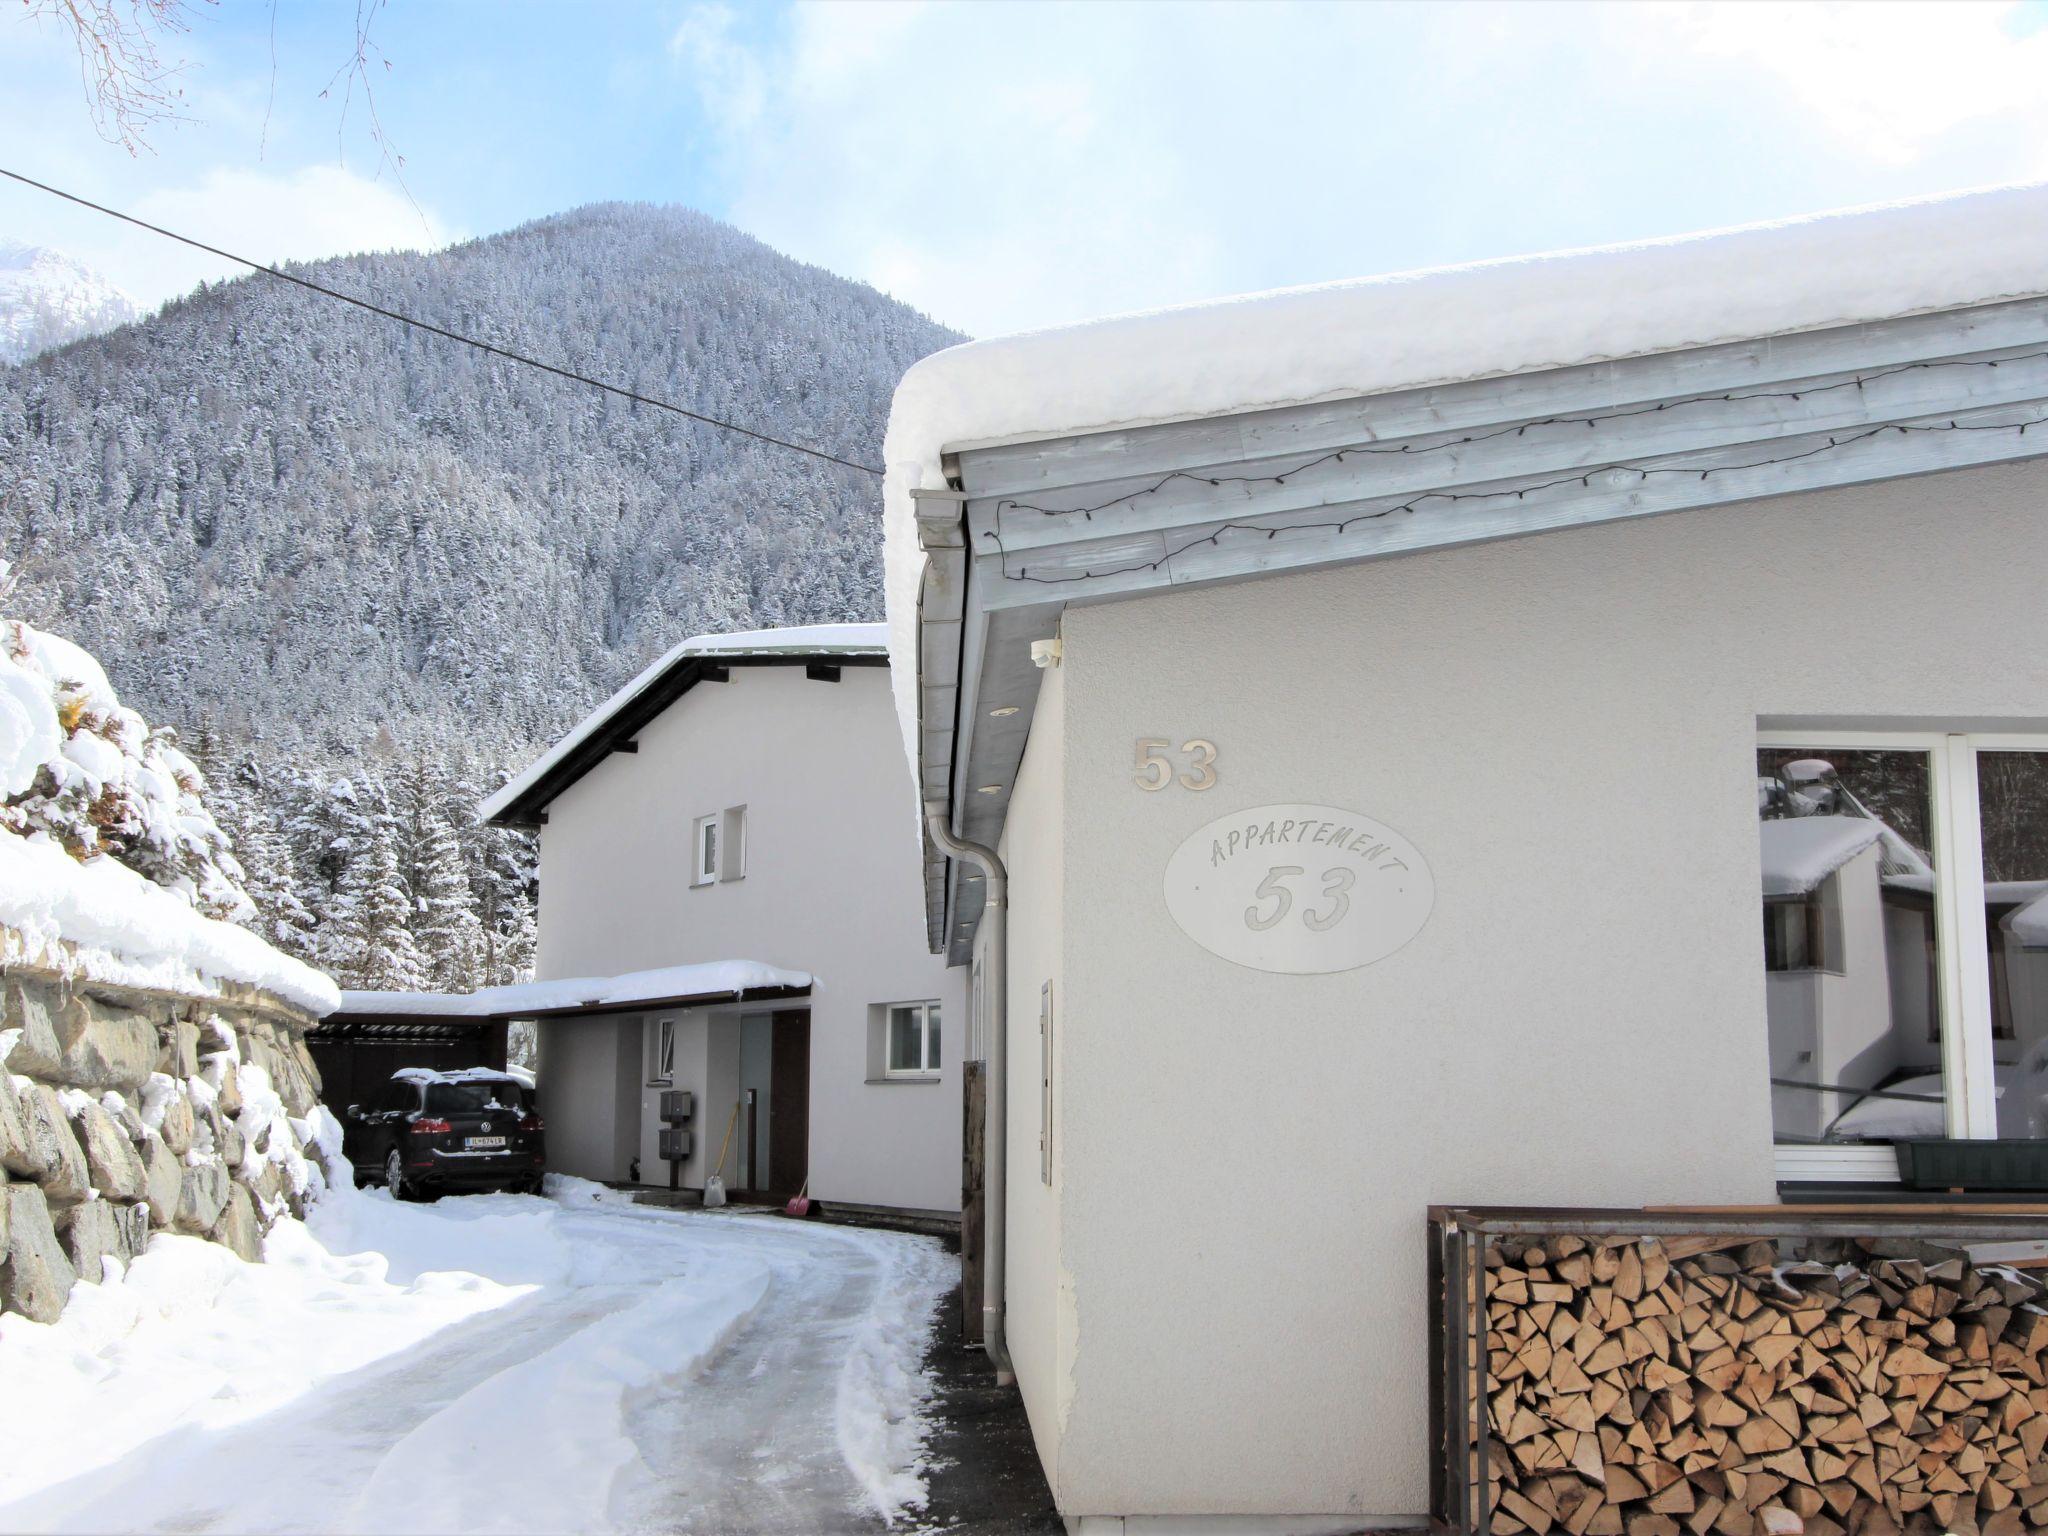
<point>729,905</point>
<point>1342,884</point>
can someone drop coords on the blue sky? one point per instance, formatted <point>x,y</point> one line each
<point>1004,166</point>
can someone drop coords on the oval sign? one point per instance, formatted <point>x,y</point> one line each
<point>1299,889</point>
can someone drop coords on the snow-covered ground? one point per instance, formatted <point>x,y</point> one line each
<point>493,1363</point>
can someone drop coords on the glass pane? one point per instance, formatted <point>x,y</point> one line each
<point>708,859</point>
<point>2012,799</point>
<point>903,1040</point>
<point>1849,948</point>
<point>931,1039</point>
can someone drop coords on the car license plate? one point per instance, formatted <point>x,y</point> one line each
<point>485,1143</point>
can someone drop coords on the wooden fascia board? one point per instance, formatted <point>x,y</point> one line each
<point>634,715</point>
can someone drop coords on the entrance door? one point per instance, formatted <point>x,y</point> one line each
<point>789,1102</point>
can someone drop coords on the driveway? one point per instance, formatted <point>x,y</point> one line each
<point>614,1368</point>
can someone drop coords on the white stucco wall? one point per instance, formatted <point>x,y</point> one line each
<point>1565,726</point>
<point>589,1070</point>
<point>832,886</point>
<point>1041,1348</point>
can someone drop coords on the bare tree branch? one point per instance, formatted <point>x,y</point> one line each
<point>130,87</point>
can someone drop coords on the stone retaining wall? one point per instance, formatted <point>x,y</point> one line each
<point>125,1112</point>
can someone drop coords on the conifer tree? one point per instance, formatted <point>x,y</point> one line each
<point>372,944</point>
<point>445,923</point>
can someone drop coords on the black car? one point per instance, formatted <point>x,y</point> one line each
<point>430,1132</point>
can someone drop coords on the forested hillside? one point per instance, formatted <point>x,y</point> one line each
<point>366,570</point>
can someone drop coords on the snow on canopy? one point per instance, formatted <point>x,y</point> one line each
<point>1801,851</point>
<point>105,920</point>
<point>796,640</point>
<point>1407,330</point>
<point>710,978</point>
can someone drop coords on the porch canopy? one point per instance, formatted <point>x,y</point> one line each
<point>675,986</point>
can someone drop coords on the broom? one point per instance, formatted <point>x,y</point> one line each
<point>801,1205</point>
<point>714,1187</point>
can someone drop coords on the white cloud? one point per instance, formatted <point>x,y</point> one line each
<point>1892,80</point>
<point>315,211</point>
<point>203,177</point>
<point>1005,166</point>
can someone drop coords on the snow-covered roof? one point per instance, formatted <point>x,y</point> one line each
<point>706,981</point>
<point>1801,851</point>
<point>460,1075</point>
<point>797,641</point>
<point>2029,925</point>
<point>1411,329</point>
<point>104,921</point>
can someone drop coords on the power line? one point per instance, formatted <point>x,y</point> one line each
<point>443,331</point>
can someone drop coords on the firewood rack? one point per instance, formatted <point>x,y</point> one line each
<point>1458,1241</point>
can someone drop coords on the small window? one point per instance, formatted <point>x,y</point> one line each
<point>661,1067</point>
<point>705,841</point>
<point>913,1040</point>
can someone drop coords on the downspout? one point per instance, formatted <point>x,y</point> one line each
<point>996,1120</point>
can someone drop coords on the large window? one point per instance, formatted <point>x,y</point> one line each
<point>1905,916</point>
<point>913,1040</point>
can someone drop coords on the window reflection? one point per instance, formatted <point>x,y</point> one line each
<point>1849,945</point>
<point>2012,800</point>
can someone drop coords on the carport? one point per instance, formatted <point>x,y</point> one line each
<point>611,1047</point>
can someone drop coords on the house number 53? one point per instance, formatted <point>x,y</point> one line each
<point>1155,769</point>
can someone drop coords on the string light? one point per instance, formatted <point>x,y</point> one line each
<point>1339,455</point>
<point>1836,442</point>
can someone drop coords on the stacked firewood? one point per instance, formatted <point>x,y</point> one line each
<point>1709,1385</point>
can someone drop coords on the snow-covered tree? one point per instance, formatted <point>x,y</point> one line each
<point>109,784</point>
<point>444,910</point>
<point>370,943</point>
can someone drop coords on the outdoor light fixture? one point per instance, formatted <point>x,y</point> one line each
<point>989,789</point>
<point>998,714</point>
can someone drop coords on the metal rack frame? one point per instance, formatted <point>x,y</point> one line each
<point>1458,1239</point>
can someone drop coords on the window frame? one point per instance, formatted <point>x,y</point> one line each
<point>1961,936</point>
<point>928,1026</point>
<point>661,1067</point>
<point>703,854</point>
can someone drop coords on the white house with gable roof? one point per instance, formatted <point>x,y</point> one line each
<point>1392,707</point>
<point>730,920</point>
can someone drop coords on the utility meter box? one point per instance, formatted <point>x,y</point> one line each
<point>675,1143</point>
<point>677,1105</point>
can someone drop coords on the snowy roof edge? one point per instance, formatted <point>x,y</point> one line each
<point>707,979</point>
<point>797,640</point>
<point>1411,330</point>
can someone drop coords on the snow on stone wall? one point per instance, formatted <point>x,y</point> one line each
<point>125,1112</point>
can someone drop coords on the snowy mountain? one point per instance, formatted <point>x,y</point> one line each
<point>47,299</point>
<point>284,520</point>
<point>366,571</point>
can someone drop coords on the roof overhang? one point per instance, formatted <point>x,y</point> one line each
<point>524,802</point>
<point>1030,528</point>
<point>359,1010</point>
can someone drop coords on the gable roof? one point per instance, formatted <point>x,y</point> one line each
<point>675,673</point>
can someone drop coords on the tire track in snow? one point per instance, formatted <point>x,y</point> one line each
<point>196,1480</point>
<point>758,1440</point>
